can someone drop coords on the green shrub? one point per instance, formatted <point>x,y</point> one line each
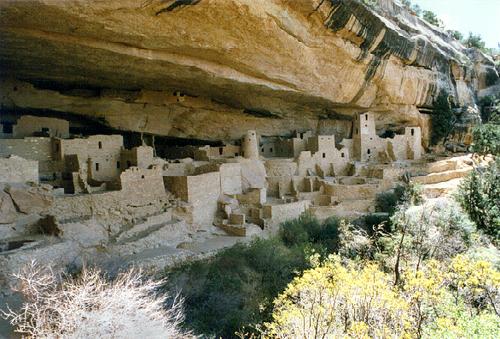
<point>442,119</point>
<point>455,34</point>
<point>388,201</point>
<point>479,195</point>
<point>297,231</point>
<point>370,3</point>
<point>372,222</point>
<point>431,18</point>
<point>235,288</point>
<point>474,41</point>
<point>490,108</point>
<point>486,139</point>
<point>307,229</point>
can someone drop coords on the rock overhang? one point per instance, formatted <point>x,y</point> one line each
<point>296,62</point>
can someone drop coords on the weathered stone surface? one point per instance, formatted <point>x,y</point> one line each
<point>8,212</point>
<point>253,174</point>
<point>86,234</point>
<point>15,169</point>
<point>31,200</point>
<point>214,69</point>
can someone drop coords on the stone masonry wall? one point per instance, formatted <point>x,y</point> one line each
<point>28,125</point>
<point>18,170</point>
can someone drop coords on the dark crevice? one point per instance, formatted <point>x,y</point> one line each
<point>176,4</point>
<point>82,126</point>
<point>262,113</point>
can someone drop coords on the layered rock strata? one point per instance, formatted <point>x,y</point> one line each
<point>213,69</point>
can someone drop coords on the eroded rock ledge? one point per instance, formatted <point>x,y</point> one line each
<point>213,69</point>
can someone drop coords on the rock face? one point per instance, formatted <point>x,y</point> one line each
<point>31,200</point>
<point>7,209</point>
<point>213,69</point>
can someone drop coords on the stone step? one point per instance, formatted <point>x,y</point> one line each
<point>350,209</point>
<point>434,178</point>
<point>169,234</point>
<point>440,189</point>
<point>341,192</point>
<point>151,224</point>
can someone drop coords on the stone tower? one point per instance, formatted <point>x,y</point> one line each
<point>250,146</point>
<point>414,142</point>
<point>364,137</point>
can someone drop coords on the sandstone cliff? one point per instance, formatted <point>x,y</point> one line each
<point>210,69</point>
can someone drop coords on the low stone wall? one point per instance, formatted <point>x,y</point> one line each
<point>18,170</point>
<point>201,191</point>
<point>142,194</point>
<point>276,214</point>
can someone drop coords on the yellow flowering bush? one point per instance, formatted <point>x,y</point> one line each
<point>441,299</point>
<point>332,300</point>
<point>476,282</point>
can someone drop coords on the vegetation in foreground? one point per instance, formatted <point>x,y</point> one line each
<point>429,269</point>
<point>91,306</point>
<point>234,290</point>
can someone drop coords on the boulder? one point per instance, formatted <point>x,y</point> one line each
<point>32,199</point>
<point>8,212</point>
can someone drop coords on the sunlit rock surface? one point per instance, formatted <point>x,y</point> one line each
<point>213,69</point>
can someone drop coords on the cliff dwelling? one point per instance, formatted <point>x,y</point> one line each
<point>151,134</point>
<point>238,188</point>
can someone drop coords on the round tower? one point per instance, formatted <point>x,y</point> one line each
<point>250,147</point>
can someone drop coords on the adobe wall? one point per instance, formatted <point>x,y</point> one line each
<point>405,146</point>
<point>300,143</point>
<point>322,143</point>
<point>285,148</point>
<point>277,214</point>
<point>139,197</point>
<point>223,151</point>
<point>230,178</point>
<point>203,194</point>
<point>33,148</point>
<point>15,169</point>
<point>414,137</point>
<point>253,174</point>
<point>142,181</point>
<point>41,149</point>
<point>178,185</point>
<point>101,153</point>
<point>141,156</point>
<point>279,174</point>
<point>171,169</point>
<point>267,149</point>
<point>94,145</point>
<point>325,162</point>
<point>28,125</point>
<point>201,191</point>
